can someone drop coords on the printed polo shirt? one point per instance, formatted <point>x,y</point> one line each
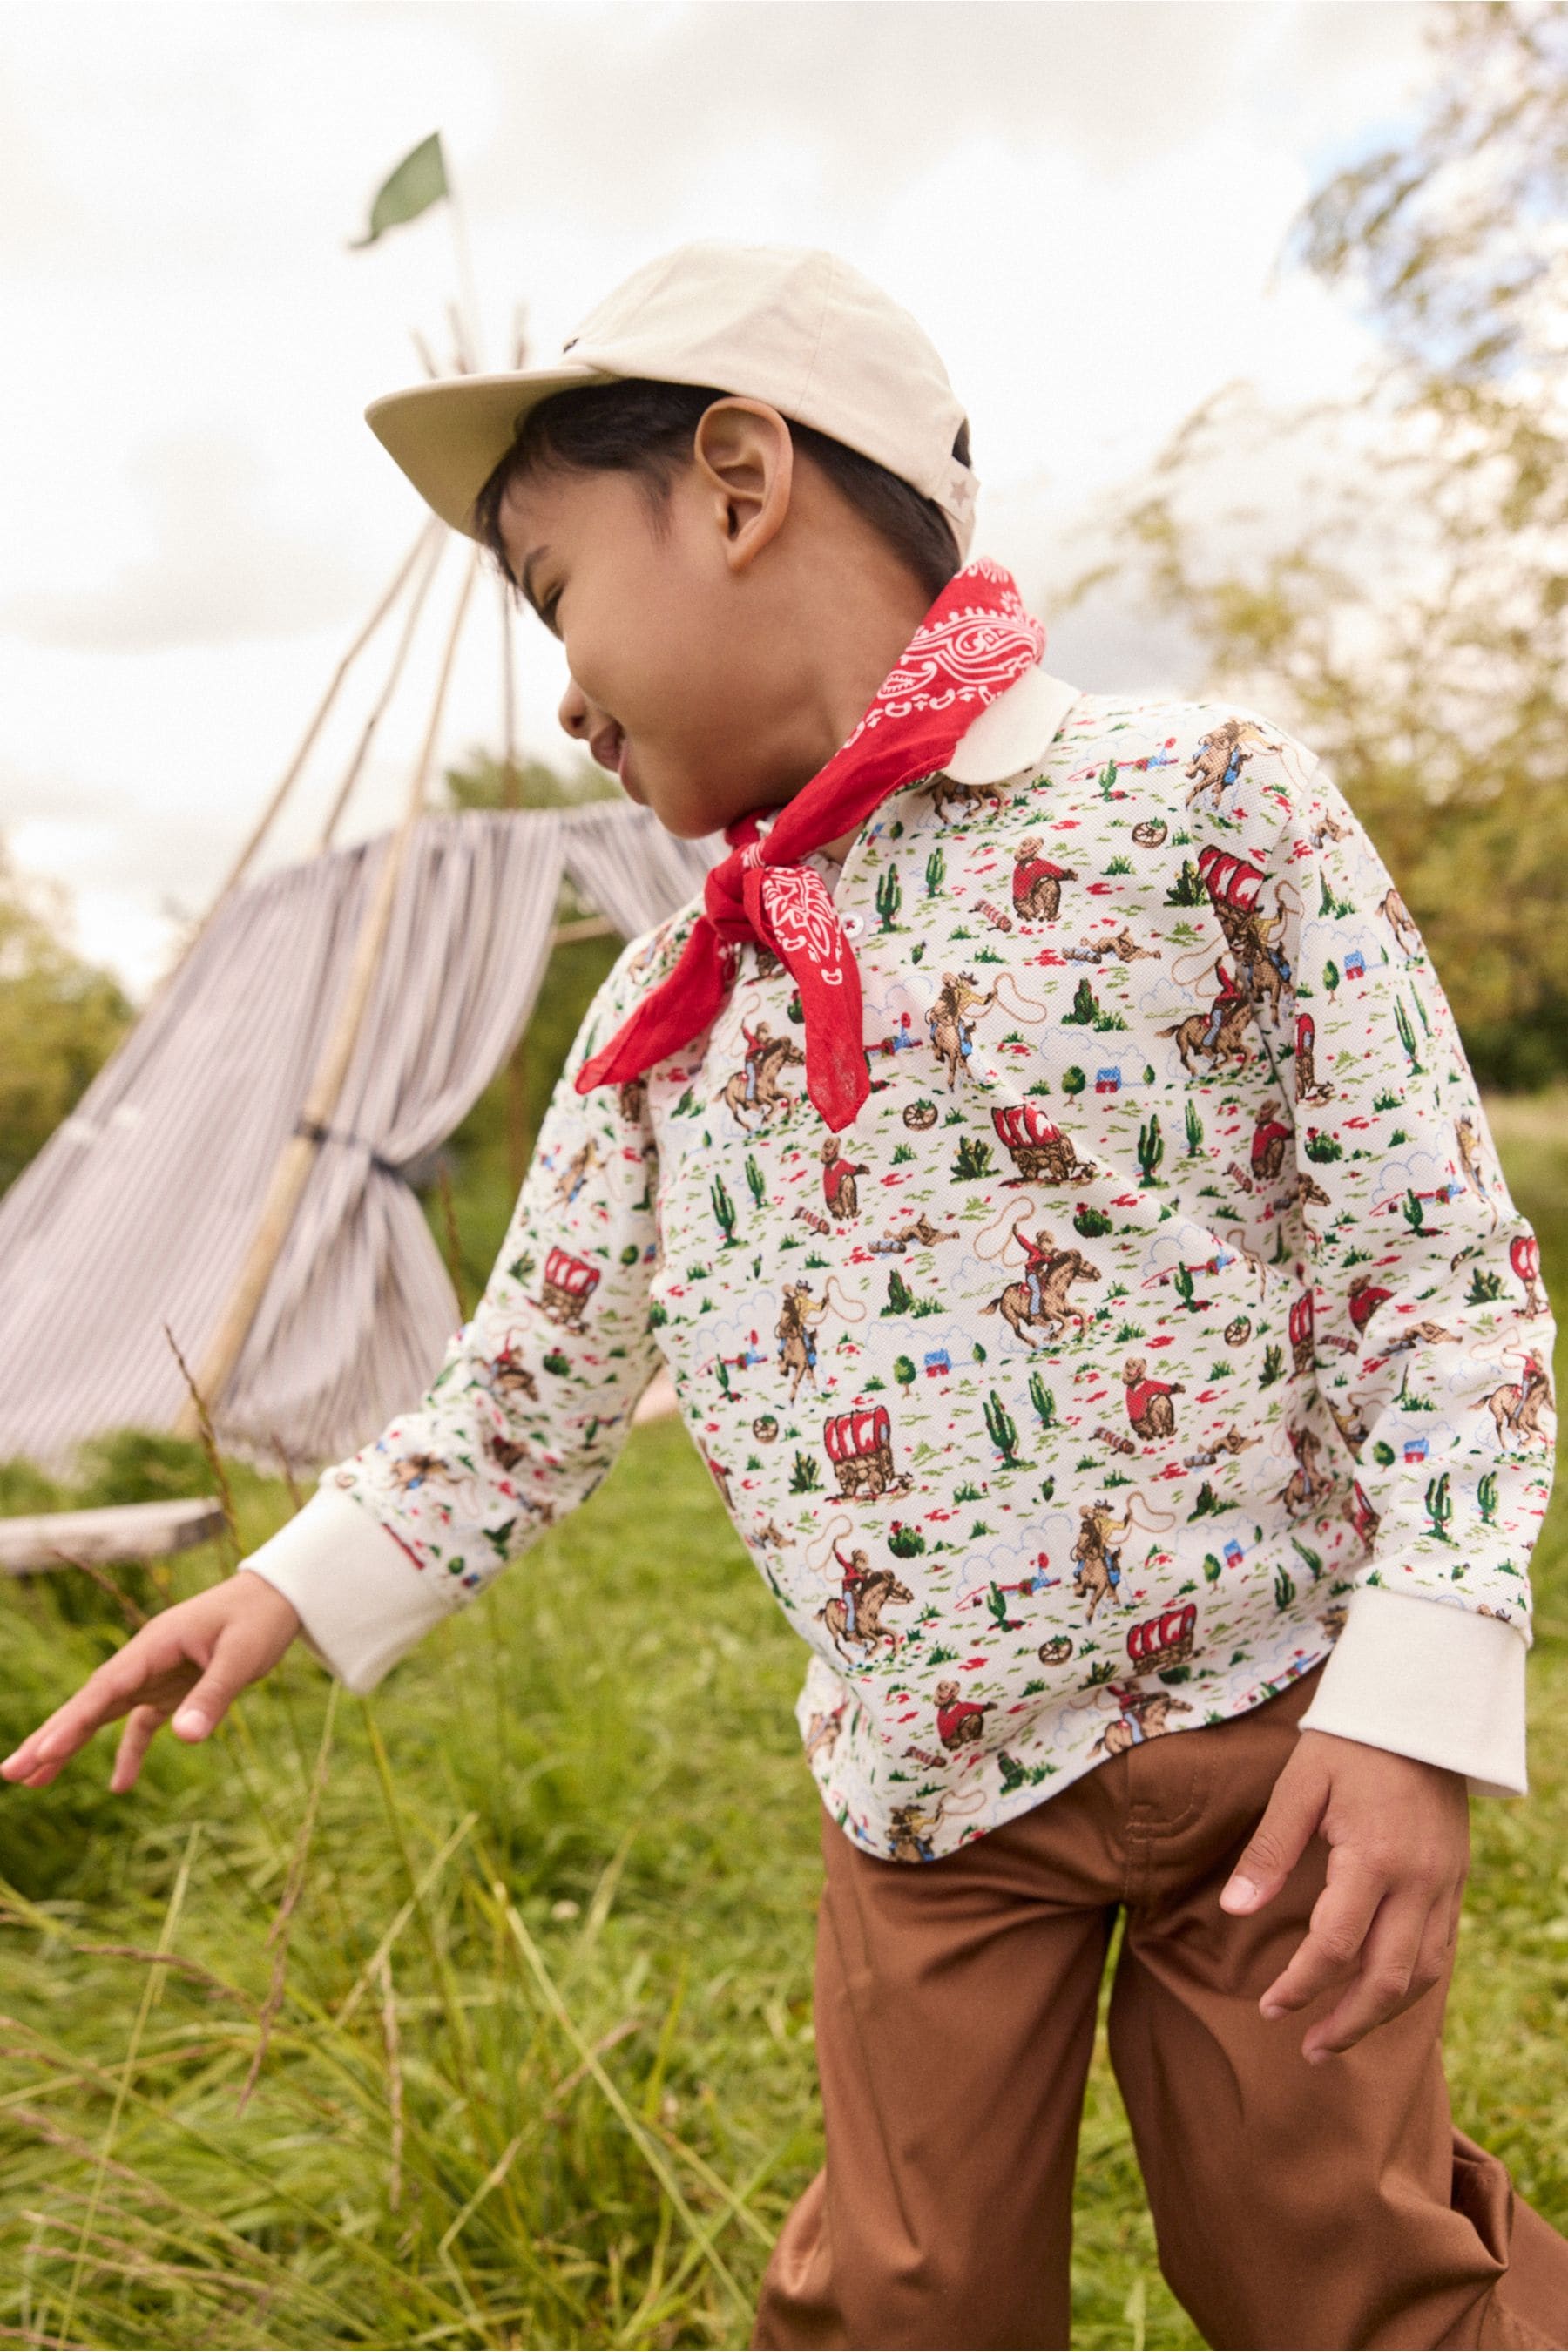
<point>1164,1308</point>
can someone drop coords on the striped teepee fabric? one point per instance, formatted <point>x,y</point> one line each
<point>138,1212</point>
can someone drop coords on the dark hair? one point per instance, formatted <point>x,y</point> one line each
<point>645,428</point>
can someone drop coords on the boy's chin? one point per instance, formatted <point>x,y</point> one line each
<point>688,814</point>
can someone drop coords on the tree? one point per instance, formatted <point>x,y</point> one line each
<point>1414,626</point>
<point>61,1019</point>
<point>483,781</point>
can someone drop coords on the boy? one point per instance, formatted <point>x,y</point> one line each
<point>1175,1362</point>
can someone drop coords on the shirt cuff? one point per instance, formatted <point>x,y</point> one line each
<point>363,1604</point>
<point>1432,1680</point>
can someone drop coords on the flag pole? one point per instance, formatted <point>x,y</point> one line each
<point>466,280</point>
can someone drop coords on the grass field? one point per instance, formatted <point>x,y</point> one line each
<point>524,1946</point>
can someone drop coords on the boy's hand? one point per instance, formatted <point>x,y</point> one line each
<point>201,1653</point>
<point>1385,1926</point>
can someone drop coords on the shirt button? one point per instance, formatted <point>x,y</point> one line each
<point>852,926</point>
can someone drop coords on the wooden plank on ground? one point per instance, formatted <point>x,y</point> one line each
<point>121,1531</point>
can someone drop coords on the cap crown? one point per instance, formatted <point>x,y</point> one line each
<point>802,329</point>
<point>793,325</point>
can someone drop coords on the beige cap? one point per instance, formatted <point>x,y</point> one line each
<point>793,325</point>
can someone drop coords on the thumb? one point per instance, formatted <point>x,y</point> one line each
<point>228,1670</point>
<point>1295,1808</point>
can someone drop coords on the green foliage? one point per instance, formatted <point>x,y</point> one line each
<point>900,1298</point>
<point>546,1841</point>
<point>904,1370</point>
<point>1151,1150</point>
<point>1403,606</point>
<point>756,1182</point>
<point>890,896</point>
<point>480,781</point>
<point>905,1542</point>
<point>806,1476</point>
<point>61,1019</point>
<point>1089,1221</point>
<point>936,873</point>
<point>1073,1080</point>
<point>138,1466</point>
<point>1084,1007</point>
<point>973,1159</point>
<point>1043,1399</point>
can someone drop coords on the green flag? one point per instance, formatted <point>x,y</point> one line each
<point>419,181</point>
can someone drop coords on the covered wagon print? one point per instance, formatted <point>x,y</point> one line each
<point>1165,1290</point>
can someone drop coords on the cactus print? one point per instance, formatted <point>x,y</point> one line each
<point>1166,1288</point>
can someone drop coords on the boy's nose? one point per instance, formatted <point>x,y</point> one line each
<point>576,713</point>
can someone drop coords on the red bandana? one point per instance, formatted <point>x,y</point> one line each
<point>975,642</point>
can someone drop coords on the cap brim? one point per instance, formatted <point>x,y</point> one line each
<point>449,436</point>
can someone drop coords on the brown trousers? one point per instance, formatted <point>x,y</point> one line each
<point>1294,2205</point>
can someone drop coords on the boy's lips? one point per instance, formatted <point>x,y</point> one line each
<point>611,751</point>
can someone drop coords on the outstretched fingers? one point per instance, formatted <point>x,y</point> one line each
<point>153,1667</point>
<point>106,1694</point>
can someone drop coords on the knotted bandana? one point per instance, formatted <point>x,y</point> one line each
<point>975,642</point>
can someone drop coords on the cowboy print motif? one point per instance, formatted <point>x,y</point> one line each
<point>1165,1288</point>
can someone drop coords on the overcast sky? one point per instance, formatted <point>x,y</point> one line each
<point>1083,201</point>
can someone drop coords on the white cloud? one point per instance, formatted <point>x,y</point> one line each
<point>217,571</point>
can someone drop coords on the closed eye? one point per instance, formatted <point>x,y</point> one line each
<point>547,610</point>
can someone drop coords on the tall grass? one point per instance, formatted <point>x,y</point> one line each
<point>524,1946</point>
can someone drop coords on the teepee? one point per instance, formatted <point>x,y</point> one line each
<point>240,1178</point>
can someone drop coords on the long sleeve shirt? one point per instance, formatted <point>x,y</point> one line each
<point>1162,1327</point>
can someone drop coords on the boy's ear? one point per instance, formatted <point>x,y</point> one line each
<point>745,460</point>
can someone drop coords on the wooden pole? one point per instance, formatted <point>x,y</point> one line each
<point>298,1156</point>
<point>334,814</point>
<point>472,342</point>
<point>428,531</point>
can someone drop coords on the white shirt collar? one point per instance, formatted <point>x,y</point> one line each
<point>1012,730</point>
